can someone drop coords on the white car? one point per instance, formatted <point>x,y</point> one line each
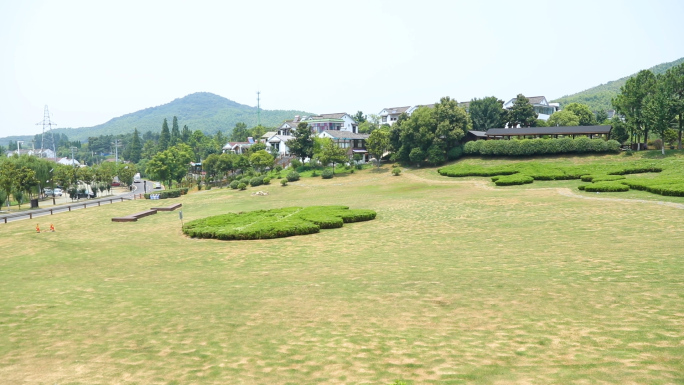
<point>58,192</point>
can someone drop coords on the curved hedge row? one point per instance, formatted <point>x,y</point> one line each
<point>669,187</point>
<point>601,178</point>
<point>276,223</point>
<point>605,187</point>
<point>528,147</point>
<point>511,180</point>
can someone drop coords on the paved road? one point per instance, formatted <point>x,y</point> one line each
<point>70,206</point>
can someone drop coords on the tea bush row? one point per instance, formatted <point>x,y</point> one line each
<point>607,186</point>
<point>529,147</point>
<point>511,180</point>
<point>276,223</point>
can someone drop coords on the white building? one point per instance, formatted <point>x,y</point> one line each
<point>541,106</point>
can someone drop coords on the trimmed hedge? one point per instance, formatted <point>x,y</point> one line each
<point>173,193</point>
<point>327,174</point>
<point>601,178</point>
<point>529,147</point>
<point>256,181</point>
<point>661,186</point>
<point>276,223</point>
<point>605,187</point>
<point>511,180</point>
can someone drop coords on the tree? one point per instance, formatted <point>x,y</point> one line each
<point>126,172</point>
<point>377,143</point>
<point>619,131</point>
<point>134,150</point>
<point>302,145</point>
<point>332,153</point>
<point>240,133</point>
<point>8,177</point>
<point>658,111</point>
<point>487,113</point>
<point>210,166</point>
<point>359,117</point>
<point>631,103</point>
<point>563,118</point>
<point>674,83</point>
<point>165,137</point>
<point>260,160</point>
<point>185,134</point>
<point>522,113</point>
<point>175,133</point>
<point>436,131</point>
<point>601,116</point>
<point>583,113</point>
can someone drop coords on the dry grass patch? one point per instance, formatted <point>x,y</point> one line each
<point>450,283</point>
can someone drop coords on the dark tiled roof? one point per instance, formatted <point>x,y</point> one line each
<point>480,134</point>
<point>330,116</point>
<point>396,110</point>
<point>345,134</point>
<point>571,130</point>
<point>535,99</point>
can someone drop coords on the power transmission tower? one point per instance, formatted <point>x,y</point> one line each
<point>258,108</point>
<point>46,123</point>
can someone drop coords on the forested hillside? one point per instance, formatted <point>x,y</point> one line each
<point>202,111</point>
<point>599,97</point>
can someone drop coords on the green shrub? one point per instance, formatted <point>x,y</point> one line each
<point>234,184</point>
<point>455,153</point>
<point>276,223</point>
<point>283,182</point>
<point>292,176</point>
<point>295,163</point>
<point>164,194</point>
<point>396,171</point>
<point>242,186</point>
<point>266,180</point>
<point>510,180</point>
<point>256,181</point>
<point>327,174</point>
<point>606,187</point>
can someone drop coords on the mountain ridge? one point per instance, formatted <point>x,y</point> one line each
<point>202,111</point>
<point>599,97</point>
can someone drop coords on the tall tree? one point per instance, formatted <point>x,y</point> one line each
<point>185,134</point>
<point>487,113</point>
<point>240,133</point>
<point>302,145</point>
<point>674,81</point>
<point>658,111</point>
<point>360,117</point>
<point>260,160</point>
<point>601,116</point>
<point>165,137</point>
<point>377,143</point>
<point>134,148</point>
<point>522,113</point>
<point>583,113</point>
<point>332,153</point>
<point>175,133</point>
<point>631,103</point>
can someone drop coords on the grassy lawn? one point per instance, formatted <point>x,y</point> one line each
<point>455,281</point>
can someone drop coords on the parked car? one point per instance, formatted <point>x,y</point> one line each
<point>116,184</point>
<point>57,192</point>
<point>157,185</point>
<point>48,192</point>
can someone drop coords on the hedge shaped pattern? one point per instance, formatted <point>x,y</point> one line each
<point>275,223</point>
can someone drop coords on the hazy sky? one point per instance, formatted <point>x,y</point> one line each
<point>91,61</point>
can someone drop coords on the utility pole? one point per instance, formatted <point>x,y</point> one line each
<point>19,143</point>
<point>73,163</point>
<point>116,145</point>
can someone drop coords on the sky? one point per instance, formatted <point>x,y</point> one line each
<point>91,61</point>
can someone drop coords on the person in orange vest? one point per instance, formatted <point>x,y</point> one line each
<point>52,227</point>
<point>37,228</point>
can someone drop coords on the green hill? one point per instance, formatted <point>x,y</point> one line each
<point>202,111</point>
<point>599,97</point>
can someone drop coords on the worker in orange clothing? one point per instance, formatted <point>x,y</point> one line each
<point>37,228</point>
<point>52,227</point>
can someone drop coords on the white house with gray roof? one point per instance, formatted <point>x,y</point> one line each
<point>541,106</point>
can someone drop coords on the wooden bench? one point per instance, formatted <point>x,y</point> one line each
<point>168,208</point>
<point>135,217</point>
